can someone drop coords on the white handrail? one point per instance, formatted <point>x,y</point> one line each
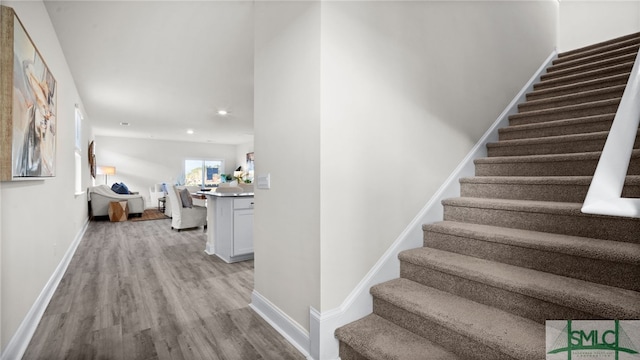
<point>605,192</point>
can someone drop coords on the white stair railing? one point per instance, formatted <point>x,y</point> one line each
<point>605,192</point>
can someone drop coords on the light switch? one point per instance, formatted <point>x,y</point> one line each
<point>264,181</point>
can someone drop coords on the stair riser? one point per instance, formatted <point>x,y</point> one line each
<point>347,353</point>
<point>569,147</point>
<point>517,304</point>
<point>578,78</point>
<point>601,95</point>
<point>584,167</point>
<point>537,192</point>
<point>597,57</point>
<point>546,149</point>
<point>449,339</point>
<point>574,223</point>
<point>514,133</point>
<point>584,86</point>
<point>553,73</point>
<point>562,114</point>
<point>621,275</point>
<point>622,42</point>
<point>562,193</point>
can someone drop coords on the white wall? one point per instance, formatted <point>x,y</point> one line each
<point>407,90</point>
<point>142,163</point>
<point>287,146</point>
<point>402,92</point>
<point>584,23</point>
<point>40,219</point>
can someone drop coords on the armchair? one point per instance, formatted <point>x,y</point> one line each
<point>192,189</point>
<point>185,217</point>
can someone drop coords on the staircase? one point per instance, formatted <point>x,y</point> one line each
<point>514,250</point>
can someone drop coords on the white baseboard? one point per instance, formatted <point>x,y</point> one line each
<point>208,249</point>
<point>323,344</point>
<point>18,344</point>
<point>281,322</point>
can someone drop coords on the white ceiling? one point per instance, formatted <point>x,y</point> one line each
<point>162,66</point>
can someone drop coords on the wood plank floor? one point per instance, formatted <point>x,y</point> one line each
<point>138,290</point>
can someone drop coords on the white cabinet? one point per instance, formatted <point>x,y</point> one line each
<point>242,232</point>
<point>230,227</point>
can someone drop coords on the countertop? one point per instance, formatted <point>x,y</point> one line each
<point>217,194</point>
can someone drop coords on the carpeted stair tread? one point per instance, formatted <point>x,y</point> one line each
<point>600,261</point>
<point>575,164</point>
<point>599,107</point>
<point>579,125</point>
<point>588,85</point>
<point>614,251</point>
<point>608,45</point>
<point>543,216</point>
<point>549,145</point>
<point>541,188</point>
<point>541,180</point>
<point>547,158</point>
<point>553,139</point>
<point>597,299</point>
<point>515,336</point>
<point>574,143</point>
<point>551,207</point>
<point>628,49</point>
<point>574,99</point>
<point>585,76</point>
<point>553,72</point>
<point>376,338</point>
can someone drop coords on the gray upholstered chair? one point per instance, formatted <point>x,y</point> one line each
<point>199,202</point>
<point>183,216</point>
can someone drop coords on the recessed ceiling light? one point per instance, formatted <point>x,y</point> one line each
<point>124,123</point>
<point>189,131</point>
<point>223,112</point>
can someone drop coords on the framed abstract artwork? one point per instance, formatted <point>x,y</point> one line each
<point>28,108</point>
<point>250,166</point>
<point>91,154</point>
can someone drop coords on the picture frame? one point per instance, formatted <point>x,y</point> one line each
<point>91,155</point>
<point>250,166</point>
<point>28,105</point>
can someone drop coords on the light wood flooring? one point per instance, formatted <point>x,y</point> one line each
<point>139,290</point>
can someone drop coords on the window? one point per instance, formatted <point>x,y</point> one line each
<point>78,130</point>
<point>77,156</point>
<point>203,173</point>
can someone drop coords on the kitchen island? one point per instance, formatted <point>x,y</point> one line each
<point>230,226</point>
